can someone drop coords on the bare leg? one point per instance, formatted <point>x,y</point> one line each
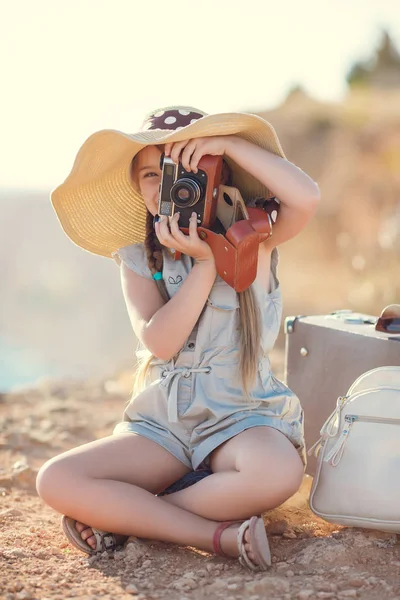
<point>99,483</point>
<point>256,470</point>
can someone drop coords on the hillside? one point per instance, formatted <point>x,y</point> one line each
<point>62,307</point>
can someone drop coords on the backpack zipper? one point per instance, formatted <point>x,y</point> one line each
<point>336,452</point>
<point>368,419</point>
<point>331,426</point>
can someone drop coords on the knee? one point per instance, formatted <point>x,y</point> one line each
<point>51,479</point>
<point>277,480</point>
<point>292,477</point>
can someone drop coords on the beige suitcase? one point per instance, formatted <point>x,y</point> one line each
<point>325,354</point>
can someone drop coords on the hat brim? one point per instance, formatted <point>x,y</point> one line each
<point>98,206</point>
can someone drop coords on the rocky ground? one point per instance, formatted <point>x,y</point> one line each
<point>311,559</point>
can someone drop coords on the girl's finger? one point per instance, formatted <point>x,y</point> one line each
<point>187,153</point>
<point>194,162</point>
<point>163,232</point>
<point>167,149</point>
<point>177,149</point>
<point>177,234</point>
<point>193,226</point>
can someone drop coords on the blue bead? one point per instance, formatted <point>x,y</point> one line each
<point>157,276</point>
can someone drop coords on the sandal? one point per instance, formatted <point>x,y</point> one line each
<point>258,541</point>
<point>104,541</point>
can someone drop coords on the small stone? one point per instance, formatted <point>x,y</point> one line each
<point>232,586</point>
<point>325,595</point>
<point>277,527</point>
<point>41,437</point>
<point>189,575</point>
<point>131,589</point>
<point>219,584</point>
<point>24,595</point>
<point>289,574</point>
<point>290,535</point>
<point>235,579</point>
<point>201,573</point>
<point>268,586</point>
<point>14,553</point>
<point>134,551</point>
<point>347,594</point>
<point>305,594</point>
<point>146,564</point>
<point>10,512</point>
<point>356,583</point>
<point>5,483</point>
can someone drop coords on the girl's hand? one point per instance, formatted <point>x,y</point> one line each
<point>189,152</point>
<point>169,234</point>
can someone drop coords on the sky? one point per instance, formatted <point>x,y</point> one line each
<point>70,68</point>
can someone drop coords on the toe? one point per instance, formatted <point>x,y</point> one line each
<point>91,541</point>
<point>249,553</point>
<point>247,546</point>
<point>86,533</point>
<point>79,526</point>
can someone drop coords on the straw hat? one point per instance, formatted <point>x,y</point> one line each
<point>99,207</point>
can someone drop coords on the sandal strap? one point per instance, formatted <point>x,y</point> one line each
<point>244,559</point>
<point>217,537</point>
<point>104,540</point>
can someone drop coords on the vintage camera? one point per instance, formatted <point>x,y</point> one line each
<point>186,192</point>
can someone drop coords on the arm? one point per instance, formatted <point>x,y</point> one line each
<point>164,328</point>
<point>298,193</point>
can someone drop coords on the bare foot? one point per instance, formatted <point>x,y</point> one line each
<point>87,535</point>
<point>229,543</point>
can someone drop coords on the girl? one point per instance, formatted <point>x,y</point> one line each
<point>207,397</point>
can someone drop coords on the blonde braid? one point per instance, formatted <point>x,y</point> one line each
<point>154,255</point>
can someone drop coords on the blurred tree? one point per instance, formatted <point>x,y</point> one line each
<point>296,93</point>
<point>382,70</point>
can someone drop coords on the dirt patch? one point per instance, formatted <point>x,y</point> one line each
<point>311,559</point>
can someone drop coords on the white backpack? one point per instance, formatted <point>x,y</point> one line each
<point>357,481</point>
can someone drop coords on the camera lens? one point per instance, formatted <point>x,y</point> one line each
<point>185,192</point>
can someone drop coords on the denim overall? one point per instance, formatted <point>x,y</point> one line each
<point>192,404</point>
